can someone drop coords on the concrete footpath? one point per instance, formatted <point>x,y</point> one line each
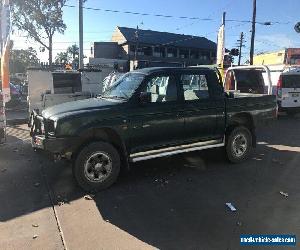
<point>170,203</point>
<point>42,208</point>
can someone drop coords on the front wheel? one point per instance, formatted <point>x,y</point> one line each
<point>239,144</point>
<point>97,166</point>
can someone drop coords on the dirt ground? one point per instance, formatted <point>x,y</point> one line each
<point>170,203</point>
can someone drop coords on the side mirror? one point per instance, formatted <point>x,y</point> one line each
<point>145,97</point>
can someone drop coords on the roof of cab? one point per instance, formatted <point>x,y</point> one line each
<point>151,70</point>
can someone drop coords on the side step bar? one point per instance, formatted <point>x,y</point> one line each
<point>151,154</point>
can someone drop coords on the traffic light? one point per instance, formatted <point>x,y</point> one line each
<point>228,59</point>
<point>297,27</point>
<point>234,52</point>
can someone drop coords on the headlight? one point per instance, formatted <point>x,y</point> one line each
<point>51,127</point>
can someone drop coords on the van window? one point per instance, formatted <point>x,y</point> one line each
<point>291,81</point>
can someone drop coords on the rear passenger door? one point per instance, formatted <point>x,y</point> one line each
<point>199,108</point>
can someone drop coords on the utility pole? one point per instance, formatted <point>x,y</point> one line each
<point>81,34</point>
<point>221,42</point>
<point>224,18</point>
<point>253,32</point>
<point>136,44</point>
<point>241,44</point>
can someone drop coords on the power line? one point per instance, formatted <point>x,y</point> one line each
<point>142,14</point>
<point>171,16</point>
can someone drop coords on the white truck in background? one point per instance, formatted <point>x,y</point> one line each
<point>280,80</point>
<point>47,88</point>
<point>248,79</point>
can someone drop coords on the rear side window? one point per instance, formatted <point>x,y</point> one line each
<point>291,81</point>
<point>250,81</point>
<point>162,88</point>
<point>194,86</point>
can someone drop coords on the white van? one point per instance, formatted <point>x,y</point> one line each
<point>288,90</point>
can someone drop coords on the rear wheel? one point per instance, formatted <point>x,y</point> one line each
<point>239,144</point>
<point>97,166</point>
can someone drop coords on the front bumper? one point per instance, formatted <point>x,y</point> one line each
<point>284,109</point>
<point>58,146</point>
<point>40,138</point>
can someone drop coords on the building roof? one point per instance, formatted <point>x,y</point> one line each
<point>166,38</point>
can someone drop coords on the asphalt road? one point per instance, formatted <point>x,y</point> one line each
<point>171,203</point>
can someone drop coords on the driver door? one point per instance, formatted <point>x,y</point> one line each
<point>160,122</point>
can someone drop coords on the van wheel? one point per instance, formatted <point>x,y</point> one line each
<point>97,166</point>
<point>239,144</point>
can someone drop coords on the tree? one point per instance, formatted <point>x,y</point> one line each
<point>62,58</point>
<point>70,56</point>
<point>21,59</point>
<point>40,19</point>
<point>73,51</point>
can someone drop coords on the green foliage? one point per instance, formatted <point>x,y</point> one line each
<point>21,59</point>
<point>40,19</point>
<point>70,56</point>
<point>62,58</point>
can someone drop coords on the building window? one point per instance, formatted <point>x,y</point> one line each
<point>204,55</point>
<point>171,52</point>
<point>159,52</point>
<point>146,50</point>
<point>194,54</point>
<point>184,53</point>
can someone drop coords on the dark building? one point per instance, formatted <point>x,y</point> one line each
<point>147,48</point>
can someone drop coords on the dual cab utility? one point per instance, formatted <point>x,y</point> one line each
<point>150,113</point>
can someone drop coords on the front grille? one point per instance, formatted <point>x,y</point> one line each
<point>40,126</point>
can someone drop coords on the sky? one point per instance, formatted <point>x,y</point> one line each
<point>99,24</point>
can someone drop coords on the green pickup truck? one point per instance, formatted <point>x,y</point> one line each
<point>150,113</point>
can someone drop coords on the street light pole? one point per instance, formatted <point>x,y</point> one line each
<point>81,34</point>
<point>253,32</point>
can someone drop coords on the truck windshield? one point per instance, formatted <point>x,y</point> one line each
<point>125,86</point>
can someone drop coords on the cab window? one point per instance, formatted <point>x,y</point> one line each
<point>194,86</point>
<point>162,88</point>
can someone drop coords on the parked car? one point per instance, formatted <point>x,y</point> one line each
<point>15,95</point>
<point>150,113</point>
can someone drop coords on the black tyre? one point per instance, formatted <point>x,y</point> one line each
<point>97,166</point>
<point>239,144</point>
